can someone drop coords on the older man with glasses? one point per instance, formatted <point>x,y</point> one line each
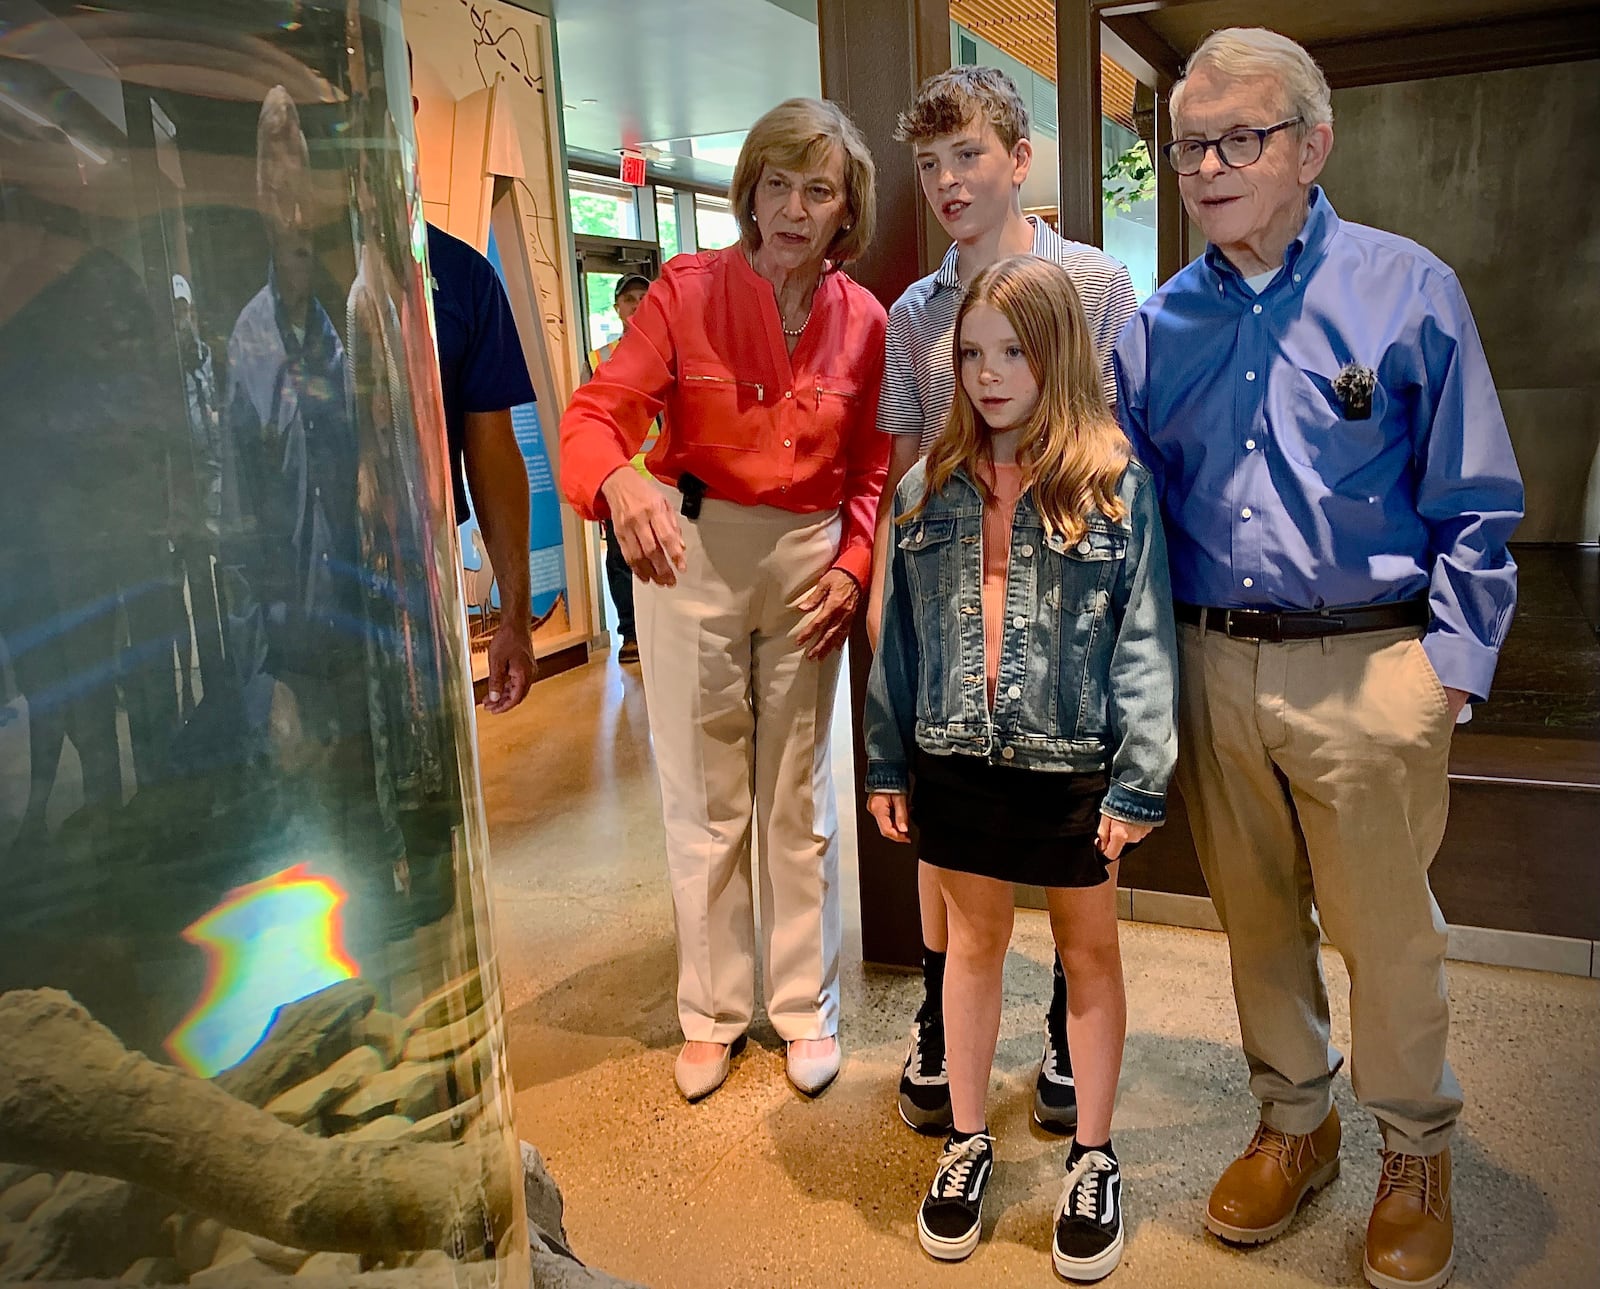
<point>1339,487</point>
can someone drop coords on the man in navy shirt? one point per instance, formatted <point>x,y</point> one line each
<point>483,375</point>
<point>1339,488</point>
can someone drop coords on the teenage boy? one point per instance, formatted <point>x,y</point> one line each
<point>968,130</point>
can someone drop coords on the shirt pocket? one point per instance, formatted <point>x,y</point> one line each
<point>1079,575</point>
<point>927,544</point>
<point>720,408</point>
<point>1340,449</point>
<point>836,403</point>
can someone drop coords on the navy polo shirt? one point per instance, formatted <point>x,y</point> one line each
<point>481,368</point>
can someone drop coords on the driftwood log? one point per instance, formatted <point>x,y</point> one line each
<point>94,1225</point>
<point>73,1098</point>
<point>410,1278</point>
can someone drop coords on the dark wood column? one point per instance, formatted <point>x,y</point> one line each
<point>874,55</point>
<point>1078,120</point>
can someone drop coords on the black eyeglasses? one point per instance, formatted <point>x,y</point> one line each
<point>1236,149</point>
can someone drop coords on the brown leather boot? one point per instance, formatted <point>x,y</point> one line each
<point>1257,1197</point>
<point>1411,1233</point>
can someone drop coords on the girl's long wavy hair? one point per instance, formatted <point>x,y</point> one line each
<point>1072,451</point>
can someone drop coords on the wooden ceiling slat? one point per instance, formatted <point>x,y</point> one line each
<point>1026,30</point>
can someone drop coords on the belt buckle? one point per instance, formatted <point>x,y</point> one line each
<point>1270,628</point>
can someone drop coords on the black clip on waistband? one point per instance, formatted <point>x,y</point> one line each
<point>694,492</point>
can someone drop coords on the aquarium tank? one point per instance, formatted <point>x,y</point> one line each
<point>251,1026</point>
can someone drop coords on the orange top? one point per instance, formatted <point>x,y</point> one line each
<point>997,514</point>
<point>598,356</point>
<point>757,425</point>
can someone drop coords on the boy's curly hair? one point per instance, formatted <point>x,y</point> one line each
<point>949,101</point>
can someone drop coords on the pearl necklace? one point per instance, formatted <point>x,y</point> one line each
<point>795,334</point>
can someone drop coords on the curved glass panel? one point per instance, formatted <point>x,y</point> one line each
<point>250,1021</point>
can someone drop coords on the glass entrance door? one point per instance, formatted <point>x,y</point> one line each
<point>602,263</point>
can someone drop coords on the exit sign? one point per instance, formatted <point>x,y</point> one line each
<point>633,169</point>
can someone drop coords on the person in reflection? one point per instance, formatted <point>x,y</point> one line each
<point>1339,488</point>
<point>87,608</point>
<point>196,533</point>
<point>752,542</point>
<point>399,520</point>
<point>200,398</point>
<point>291,544</point>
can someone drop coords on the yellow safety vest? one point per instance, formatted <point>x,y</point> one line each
<point>598,356</point>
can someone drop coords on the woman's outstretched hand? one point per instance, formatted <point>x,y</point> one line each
<point>646,526</point>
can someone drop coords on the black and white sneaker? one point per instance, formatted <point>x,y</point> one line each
<point>951,1217</point>
<point>1055,1095</point>
<point>1088,1239</point>
<point>924,1082</point>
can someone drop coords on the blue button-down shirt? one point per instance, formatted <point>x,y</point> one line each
<point>1272,495</point>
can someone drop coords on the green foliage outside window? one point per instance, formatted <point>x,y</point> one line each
<point>1128,180</point>
<point>667,230</point>
<point>596,216</point>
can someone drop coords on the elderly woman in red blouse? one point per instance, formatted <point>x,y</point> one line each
<point>751,542</point>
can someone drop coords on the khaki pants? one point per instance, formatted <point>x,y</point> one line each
<point>1315,774</point>
<point>740,721</point>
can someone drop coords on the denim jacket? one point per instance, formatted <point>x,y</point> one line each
<point>1088,664</point>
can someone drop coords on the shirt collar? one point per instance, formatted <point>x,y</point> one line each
<point>1303,253</point>
<point>1046,245</point>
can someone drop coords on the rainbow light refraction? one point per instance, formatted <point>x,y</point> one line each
<point>268,943</point>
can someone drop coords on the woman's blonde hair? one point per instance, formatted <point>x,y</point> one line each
<point>801,134</point>
<point>1072,452</point>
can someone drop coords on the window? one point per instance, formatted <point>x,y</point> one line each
<point>1128,193</point>
<point>602,207</point>
<point>715,226</point>
<point>667,225</point>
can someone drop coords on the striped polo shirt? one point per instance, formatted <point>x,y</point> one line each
<point>919,379</point>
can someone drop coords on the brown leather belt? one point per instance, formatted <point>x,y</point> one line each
<point>1277,625</point>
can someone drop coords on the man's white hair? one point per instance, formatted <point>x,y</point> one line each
<point>1247,52</point>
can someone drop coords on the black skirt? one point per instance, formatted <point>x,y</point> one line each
<point>1032,826</point>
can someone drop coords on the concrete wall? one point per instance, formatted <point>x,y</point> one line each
<point>1497,174</point>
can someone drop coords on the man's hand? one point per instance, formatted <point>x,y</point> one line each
<point>893,814</point>
<point>1115,834</point>
<point>1457,699</point>
<point>511,666</point>
<point>646,527</point>
<point>832,604</point>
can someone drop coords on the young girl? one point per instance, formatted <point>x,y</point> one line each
<point>1021,713</point>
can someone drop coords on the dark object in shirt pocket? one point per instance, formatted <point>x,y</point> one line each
<point>1353,388</point>
<point>1348,396</point>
